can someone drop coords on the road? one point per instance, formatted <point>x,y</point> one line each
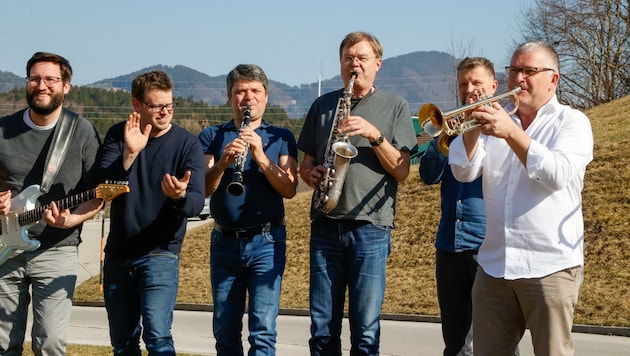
<point>192,329</point>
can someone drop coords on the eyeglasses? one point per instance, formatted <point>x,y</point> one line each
<point>156,108</point>
<point>527,71</point>
<point>49,81</point>
<point>351,59</point>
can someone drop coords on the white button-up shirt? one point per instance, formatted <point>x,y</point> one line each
<point>534,214</point>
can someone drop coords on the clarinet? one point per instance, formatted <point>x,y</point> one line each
<point>236,187</point>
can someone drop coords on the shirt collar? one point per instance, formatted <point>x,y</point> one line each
<point>230,125</point>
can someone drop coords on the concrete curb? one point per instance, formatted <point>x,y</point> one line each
<point>578,328</point>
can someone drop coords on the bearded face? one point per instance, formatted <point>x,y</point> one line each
<point>44,107</point>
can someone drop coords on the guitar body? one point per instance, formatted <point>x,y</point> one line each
<point>13,236</point>
<point>26,212</point>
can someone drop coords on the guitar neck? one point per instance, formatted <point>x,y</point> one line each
<point>34,215</point>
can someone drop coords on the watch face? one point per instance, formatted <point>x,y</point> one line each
<point>378,141</point>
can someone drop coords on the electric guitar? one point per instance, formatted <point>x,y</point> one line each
<point>14,226</point>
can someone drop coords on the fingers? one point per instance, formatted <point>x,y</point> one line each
<point>186,177</point>
<point>477,118</point>
<point>5,202</point>
<point>147,130</point>
<point>134,122</point>
<point>357,126</point>
<point>315,176</point>
<point>175,188</point>
<point>55,217</point>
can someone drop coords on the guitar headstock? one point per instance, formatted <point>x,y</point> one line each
<point>109,191</point>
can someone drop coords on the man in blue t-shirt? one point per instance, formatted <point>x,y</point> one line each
<point>251,167</point>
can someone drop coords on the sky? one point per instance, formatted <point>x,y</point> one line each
<point>294,41</point>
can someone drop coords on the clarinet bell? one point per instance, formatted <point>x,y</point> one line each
<point>236,187</point>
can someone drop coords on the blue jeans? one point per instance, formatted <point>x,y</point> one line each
<point>350,254</point>
<point>239,267</point>
<point>143,288</point>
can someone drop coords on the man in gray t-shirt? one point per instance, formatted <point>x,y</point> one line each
<point>351,242</point>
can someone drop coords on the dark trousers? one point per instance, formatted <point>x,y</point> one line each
<point>455,274</point>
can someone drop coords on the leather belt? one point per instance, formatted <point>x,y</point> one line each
<point>247,233</point>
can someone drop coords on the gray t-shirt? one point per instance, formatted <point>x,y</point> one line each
<point>369,192</point>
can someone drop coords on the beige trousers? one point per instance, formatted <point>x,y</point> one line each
<point>503,309</point>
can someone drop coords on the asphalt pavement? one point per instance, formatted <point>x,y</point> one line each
<point>192,330</point>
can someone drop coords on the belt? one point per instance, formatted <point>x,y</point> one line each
<point>248,233</point>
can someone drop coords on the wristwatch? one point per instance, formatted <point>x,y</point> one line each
<point>378,141</point>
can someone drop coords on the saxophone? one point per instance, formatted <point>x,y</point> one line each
<point>236,187</point>
<point>337,158</point>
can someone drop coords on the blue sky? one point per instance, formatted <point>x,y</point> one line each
<point>294,41</point>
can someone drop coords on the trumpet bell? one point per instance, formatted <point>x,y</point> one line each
<point>431,118</point>
<point>444,142</point>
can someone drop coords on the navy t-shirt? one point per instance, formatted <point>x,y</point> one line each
<point>260,202</point>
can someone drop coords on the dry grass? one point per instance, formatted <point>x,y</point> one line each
<point>83,350</point>
<point>411,281</point>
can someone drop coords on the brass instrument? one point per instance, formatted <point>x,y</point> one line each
<point>337,158</point>
<point>453,122</point>
<point>444,142</point>
<point>236,187</point>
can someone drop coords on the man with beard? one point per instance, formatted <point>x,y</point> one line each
<point>50,271</point>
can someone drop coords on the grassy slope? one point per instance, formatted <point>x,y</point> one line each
<point>411,282</point>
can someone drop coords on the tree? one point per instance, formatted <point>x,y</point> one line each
<point>592,38</point>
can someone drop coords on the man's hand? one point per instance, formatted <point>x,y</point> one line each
<point>5,202</point>
<point>57,218</point>
<point>136,137</point>
<point>494,121</point>
<point>175,188</point>
<point>358,126</point>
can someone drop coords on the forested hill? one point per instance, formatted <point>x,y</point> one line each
<point>104,107</point>
<point>419,77</point>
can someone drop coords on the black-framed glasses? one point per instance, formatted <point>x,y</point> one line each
<point>527,71</point>
<point>156,108</point>
<point>351,59</point>
<point>49,81</point>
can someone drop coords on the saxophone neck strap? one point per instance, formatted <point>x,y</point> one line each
<point>62,136</point>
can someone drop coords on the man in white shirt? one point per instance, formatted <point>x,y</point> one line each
<point>533,165</point>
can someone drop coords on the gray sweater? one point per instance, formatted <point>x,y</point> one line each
<point>23,152</point>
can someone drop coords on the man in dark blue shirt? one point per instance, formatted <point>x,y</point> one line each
<point>463,220</point>
<point>251,167</point>
<point>164,166</point>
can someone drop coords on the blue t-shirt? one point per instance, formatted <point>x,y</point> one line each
<point>260,202</point>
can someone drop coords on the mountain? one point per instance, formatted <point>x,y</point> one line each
<point>418,77</point>
<point>10,81</point>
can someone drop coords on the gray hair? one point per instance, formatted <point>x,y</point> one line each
<point>246,72</point>
<point>532,46</point>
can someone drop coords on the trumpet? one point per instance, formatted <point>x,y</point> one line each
<point>452,122</point>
